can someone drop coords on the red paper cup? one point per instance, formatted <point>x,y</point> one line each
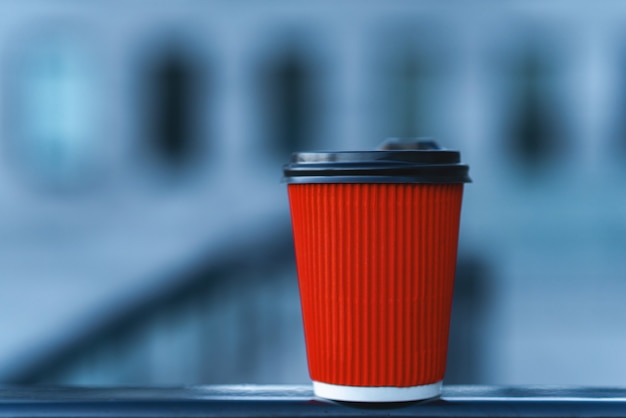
<point>376,240</point>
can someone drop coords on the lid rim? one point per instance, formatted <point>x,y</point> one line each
<point>377,166</point>
<point>375,179</point>
<point>439,156</point>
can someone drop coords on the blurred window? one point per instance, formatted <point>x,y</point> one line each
<point>409,95</point>
<point>536,133</point>
<point>172,88</point>
<point>288,100</point>
<point>52,112</point>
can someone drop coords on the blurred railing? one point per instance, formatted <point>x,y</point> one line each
<point>223,320</point>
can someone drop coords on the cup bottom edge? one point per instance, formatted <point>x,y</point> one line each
<point>376,393</point>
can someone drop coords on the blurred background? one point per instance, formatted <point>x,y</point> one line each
<point>144,232</point>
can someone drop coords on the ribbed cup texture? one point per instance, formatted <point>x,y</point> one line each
<point>376,267</point>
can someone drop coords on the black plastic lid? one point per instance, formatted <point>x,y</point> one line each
<point>396,161</point>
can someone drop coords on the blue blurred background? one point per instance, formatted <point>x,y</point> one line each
<point>144,231</point>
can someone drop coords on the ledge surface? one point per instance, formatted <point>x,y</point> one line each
<point>299,401</point>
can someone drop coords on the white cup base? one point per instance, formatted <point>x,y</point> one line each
<point>376,393</point>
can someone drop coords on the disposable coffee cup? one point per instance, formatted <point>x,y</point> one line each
<point>376,236</point>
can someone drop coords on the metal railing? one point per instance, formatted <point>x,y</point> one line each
<point>299,401</point>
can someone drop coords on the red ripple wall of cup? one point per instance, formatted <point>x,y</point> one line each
<point>376,265</point>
